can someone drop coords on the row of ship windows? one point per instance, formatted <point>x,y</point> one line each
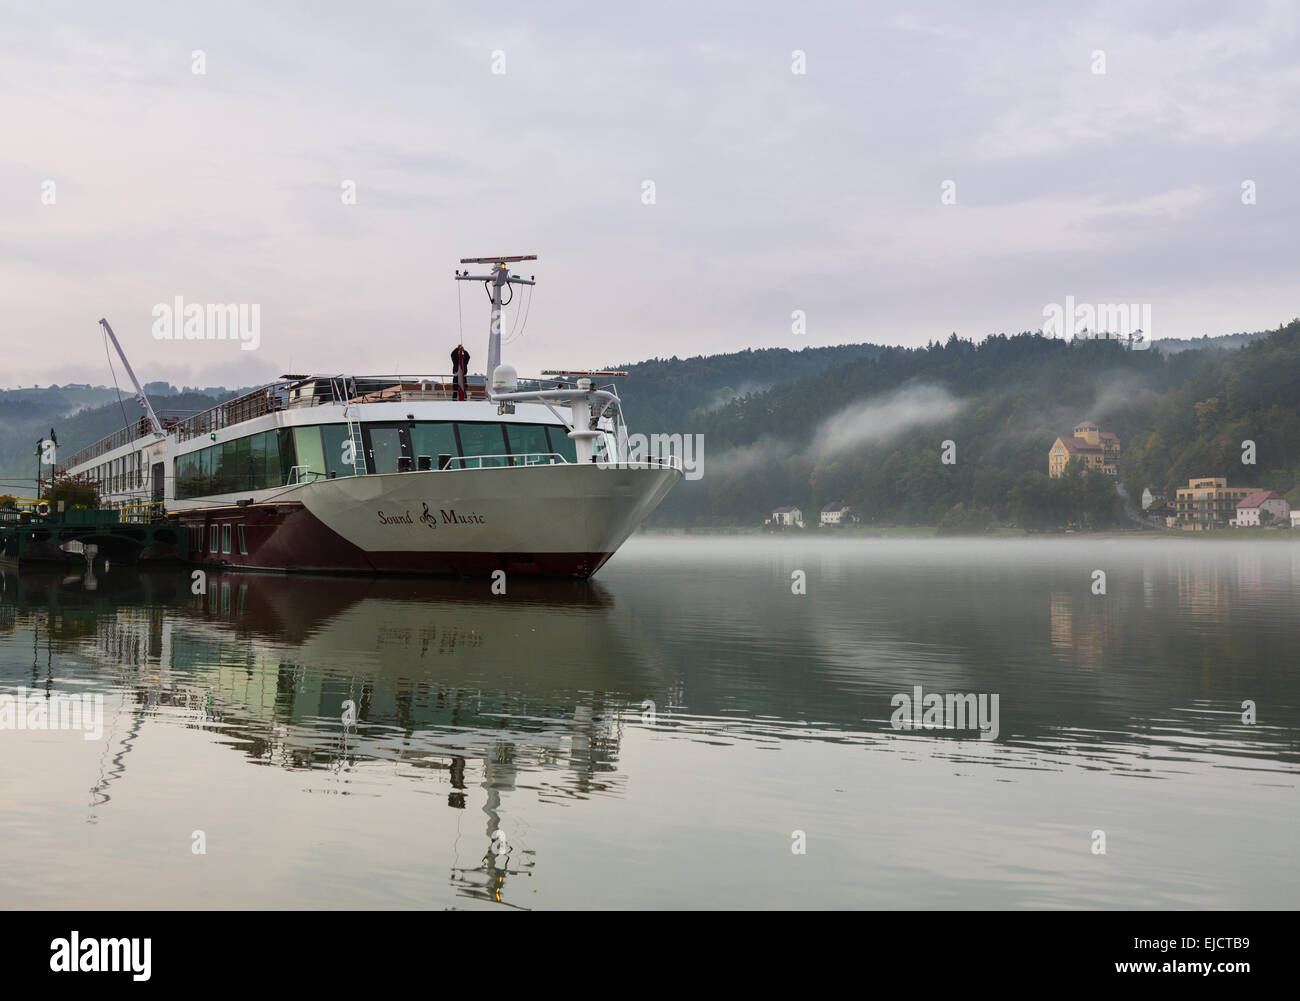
<point>219,535</point>
<point>261,461</point>
<point>117,475</point>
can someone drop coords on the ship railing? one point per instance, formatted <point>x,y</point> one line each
<point>412,389</point>
<point>142,514</point>
<point>518,459</point>
<point>304,474</point>
<point>258,403</point>
<point>649,461</point>
<point>128,434</point>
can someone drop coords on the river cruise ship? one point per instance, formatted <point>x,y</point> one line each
<point>416,474</point>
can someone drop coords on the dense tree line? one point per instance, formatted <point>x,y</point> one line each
<point>1177,416</point>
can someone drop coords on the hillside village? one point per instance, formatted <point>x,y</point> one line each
<point>1205,504</point>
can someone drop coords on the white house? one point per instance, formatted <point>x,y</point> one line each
<point>787,516</point>
<point>1295,518</point>
<point>834,512</point>
<point>1250,507</point>
<point>1150,495</point>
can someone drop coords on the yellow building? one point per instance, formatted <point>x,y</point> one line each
<point>1208,503</point>
<point>1088,445</point>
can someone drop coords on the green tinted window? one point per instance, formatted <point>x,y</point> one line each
<point>481,439</point>
<point>335,437</point>
<point>385,449</point>
<point>527,440</point>
<point>188,473</point>
<point>243,465</point>
<point>229,467</point>
<point>272,465</point>
<point>284,439</point>
<point>215,474</point>
<point>257,461</point>
<point>433,440</point>
<point>562,443</point>
<point>308,448</point>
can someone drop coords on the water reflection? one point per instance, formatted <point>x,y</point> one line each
<point>456,688</point>
<point>509,731</point>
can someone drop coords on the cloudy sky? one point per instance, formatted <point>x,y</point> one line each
<point>533,128</point>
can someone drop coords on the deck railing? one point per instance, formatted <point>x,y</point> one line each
<point>528,459</point>
<point>242,408</point>
<point>117,439</point>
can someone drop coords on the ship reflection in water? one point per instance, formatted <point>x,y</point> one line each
<point>453,687</point>
<point>658,737</point>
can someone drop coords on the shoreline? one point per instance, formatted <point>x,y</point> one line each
<point>932,532</point>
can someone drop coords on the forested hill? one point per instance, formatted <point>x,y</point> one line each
<point>661,393</point>
<point>27,417</point>
<point>870,433</point>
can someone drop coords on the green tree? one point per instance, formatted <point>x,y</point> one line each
<point>74,493</point>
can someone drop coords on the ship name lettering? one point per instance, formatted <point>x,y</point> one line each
<point>452,518</point>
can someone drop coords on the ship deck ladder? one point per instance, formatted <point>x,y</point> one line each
<point>343,394</point>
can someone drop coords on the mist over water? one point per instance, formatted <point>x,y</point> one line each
<point>655,737</point>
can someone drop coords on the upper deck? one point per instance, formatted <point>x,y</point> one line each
<point>295,393</point>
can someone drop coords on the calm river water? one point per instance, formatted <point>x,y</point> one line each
<point>683,731</point>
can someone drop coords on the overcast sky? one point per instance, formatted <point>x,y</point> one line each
<point>774,190</point>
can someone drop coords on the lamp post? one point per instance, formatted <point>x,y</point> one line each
<point>40,459</point>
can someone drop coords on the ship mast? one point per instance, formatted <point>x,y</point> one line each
<point>139,392</point>
<point>499,278</point>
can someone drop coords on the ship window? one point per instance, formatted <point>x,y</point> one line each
<point>212,547</point>
<point>217,478</point>
<point>271,476</point>
<point>308,449</point>
<point>243,543</point>
<point>187,471</point>
<point>432,439</point>
<point>284,442</point>
<point>198,539</point>
<point>527,439</point>
<point>208,464</point>
<point>243,465</point>
<point>562,443</point>
<point>481,440</point>
<point>385,449</point>
<point>257,462</point>
<point>335,438</point>
<point>225,537</point>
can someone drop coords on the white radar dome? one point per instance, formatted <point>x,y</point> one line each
<point>505,379</point>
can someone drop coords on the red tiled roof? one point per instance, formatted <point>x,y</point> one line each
<point>1073,444</point>
<point>1110,436</point>
<point>1258,497</point>
<point>1086,424</point>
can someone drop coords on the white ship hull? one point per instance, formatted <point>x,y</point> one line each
<point>557,520</point>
